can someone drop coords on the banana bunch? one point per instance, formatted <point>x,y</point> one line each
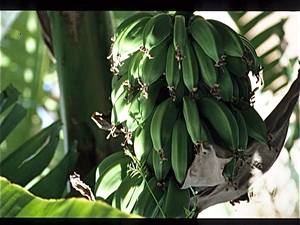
<point>178,81</point>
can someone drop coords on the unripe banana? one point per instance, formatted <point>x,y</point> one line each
<point>180,34</point>
<point>146,205</point>
<point>244,86</point>
<point>208,73</point>
<point>117,87</point>
<point>153,68</point>
<point>172,70</point>
<point>192,120</point>
<point>120,109</point>
<point>134,117</point>
<point>236,94</point>
<point>228,171</point>
<point>162,123</point>
<point>110,173</point>
<point>133,71</point>
<point>231,42</point>
<point>161,161</point>
<point>207,37</point>
<point>225,87</point>
<point>131,19</point>
<point>158,28</point>
<point>256,127</point>
<point>179,152</point>
<point>236,65</point>
<point>190,68</point>
<point>176,200</point>
<point>147,104</point>
<point>130,40</point>
<point>142,141</point>
<point>221,118</point>
<point>128,192</point>
<point>250,55</point>
<point>243,134</point>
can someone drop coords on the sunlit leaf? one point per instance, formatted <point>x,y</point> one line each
<point>7,97</point>
<point>17,202</point>
<point>53,184</point>
<point>31,158</point>
<point>11,120</point>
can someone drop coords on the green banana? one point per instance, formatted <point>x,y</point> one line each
<point>117,87</point>
<point>161,161</point>
<point>236,65</point>
<point>236,93</point>
<point>225,87</point>
<point>129,40</point>
<point>207,37</point>
<point>250,55</point>
<point>172,70</point>
<point>205,132</point>
<point>120,109</point>
<point>256,127</point>
<point>208,73</point>
<point>180,35</point>
<point>179,152</point>
<point>110,173</point>
<point>134,116</point>
<point>146,205</point>
<point>128,192</point>
<point>176,200</point>
<point>142,141</point>
<point>228,171</point>
<point>153,68</point>
<point>192,120</point>
<point>157,29</point>
<point>131,19</point>
<point>162,123</point>
<point>231,41</point>
<point>221,118</point>
<point>133,71</point>
<point>147,104</point>
<point>244,86</point>
<point>190,69</point>
<point>243,134</point>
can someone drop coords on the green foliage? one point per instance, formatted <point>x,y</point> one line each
<point>24,63</point>
<point>30,159</point>
<point>17,202</point>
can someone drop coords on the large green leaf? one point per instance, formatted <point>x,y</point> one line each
<point>52,185</point>
<point>11,120</point>
<point>7,97</point>
<point>18,202</point>
<point>32,157</point>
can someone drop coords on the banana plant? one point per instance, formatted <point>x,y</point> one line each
<point>79,43</point>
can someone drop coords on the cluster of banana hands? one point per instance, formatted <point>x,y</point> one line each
<point>179,82</point>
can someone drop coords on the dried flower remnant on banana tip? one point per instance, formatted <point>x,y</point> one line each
<point>80,186</point>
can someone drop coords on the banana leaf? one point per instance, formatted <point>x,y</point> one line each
<point>11,120</point>
<point>53,184</point>
<point>32,157</point>
<point>18,202</point>
<point>7,97</point>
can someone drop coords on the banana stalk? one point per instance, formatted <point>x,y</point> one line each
<point>81,44</point>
